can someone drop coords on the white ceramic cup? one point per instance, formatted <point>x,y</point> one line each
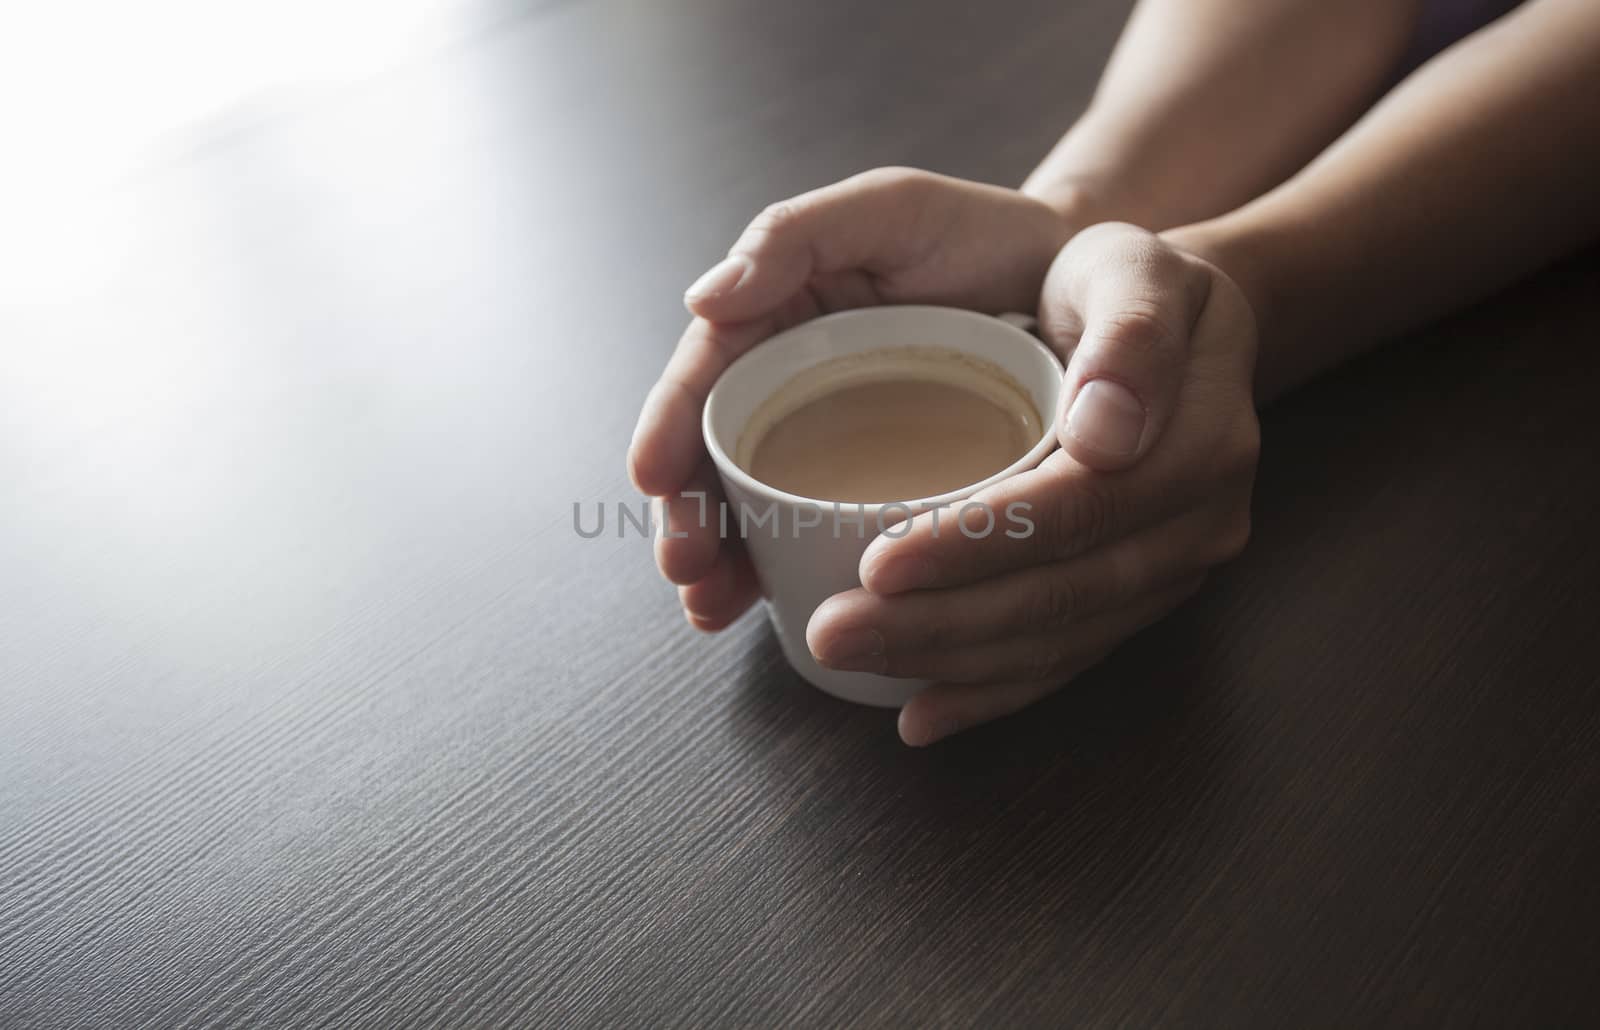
<point>801,563</point>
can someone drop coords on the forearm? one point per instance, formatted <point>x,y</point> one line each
<point>1477,170</point>
<point>1208,103</point>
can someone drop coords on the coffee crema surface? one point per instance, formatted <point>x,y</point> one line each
<point>895,425</point>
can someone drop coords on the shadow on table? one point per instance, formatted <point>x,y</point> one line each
<point>1009,844</point>
<point>1119,757</point>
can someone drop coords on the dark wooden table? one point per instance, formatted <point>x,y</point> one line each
<point>314,710</point>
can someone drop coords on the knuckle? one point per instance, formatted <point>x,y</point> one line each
<point>1243,453</point>
<point>1127,245</point>
<point>914,665</point>
<point>1154,258</point>
<point>1052,605</point>
<point>933,635</point>
<point>1247,440</point>
<point>1230,462</point>
<point>1243,528</point>
<point>1232,537</point>
<point>1061,327</point>
<point>1139,326</point>
<point>776,217</point>
<point>893,178</point>
<point>1046,660</point>
<point>1080,519</point>
<point>1125,238</point>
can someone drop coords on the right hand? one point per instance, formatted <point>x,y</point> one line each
<point>888,236</point>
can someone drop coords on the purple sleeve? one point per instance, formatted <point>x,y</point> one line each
<point>1442,22</point>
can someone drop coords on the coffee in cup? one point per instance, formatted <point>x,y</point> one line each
<point>892,425</point>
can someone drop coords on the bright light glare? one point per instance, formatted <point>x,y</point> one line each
<point>86,87</point>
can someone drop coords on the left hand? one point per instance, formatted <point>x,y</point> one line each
<point>888,236</point>
<point>1150,489</point>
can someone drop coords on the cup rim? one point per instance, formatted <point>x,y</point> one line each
<point>729,468</point>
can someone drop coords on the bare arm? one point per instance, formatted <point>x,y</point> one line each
<point>1478,169</point>
<point>1206,104</point>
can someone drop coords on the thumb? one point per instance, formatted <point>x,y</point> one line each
<point>1124,303</point>
<point>867,222</point>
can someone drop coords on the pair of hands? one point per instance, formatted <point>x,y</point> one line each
<point>1149,490</point>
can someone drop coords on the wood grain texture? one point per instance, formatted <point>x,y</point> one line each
<point>315,711</point>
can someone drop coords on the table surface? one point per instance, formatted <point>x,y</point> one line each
<point>317,711</point>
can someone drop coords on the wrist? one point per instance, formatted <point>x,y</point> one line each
<point>1090,176</point>
<point>1075,199</point>
<point>1244,254</point>
<point>1232,251</point>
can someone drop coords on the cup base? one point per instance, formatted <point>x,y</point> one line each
<point>862,688</point>
<point>875,692</point>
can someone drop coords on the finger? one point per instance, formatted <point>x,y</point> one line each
<point>1050,513</point>
<point>686,546</point>
<point>945,709</point>
<point>948,708</point>
<point>1125,304</point>
<point>857,629</point>
<point>1040,655</point>
<point>667,446</point>
<point>724,593</point>
<point>866,223</point>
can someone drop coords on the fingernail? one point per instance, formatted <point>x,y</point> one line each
<point>894,574</point>
<point>701,623</point>
<point>1107,417</point>
<point>926,734</point>
<point>854,650</point>
<point>721,279</point>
